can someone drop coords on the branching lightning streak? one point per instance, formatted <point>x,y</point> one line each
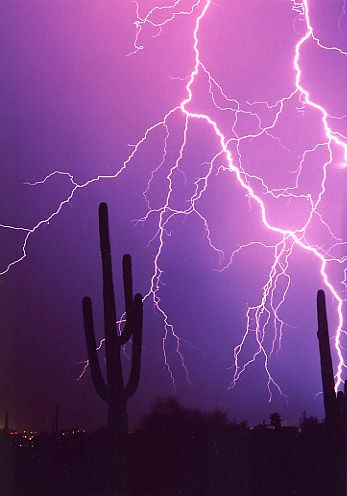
<point>266,314</point>
<point>149,19</point>
<point>343,13</point>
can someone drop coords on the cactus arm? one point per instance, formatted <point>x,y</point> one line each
<point>98,380</point>
<point>129,304</point>
<point>137,347</point>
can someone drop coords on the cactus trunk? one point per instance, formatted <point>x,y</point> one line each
<point>335,406</point>
<point>329,394</point>
<point>117,418</point>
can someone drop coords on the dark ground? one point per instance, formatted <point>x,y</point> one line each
<point>179,452</point>
<point>183,452</point>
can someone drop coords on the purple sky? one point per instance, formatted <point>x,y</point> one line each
<point>73,101</point>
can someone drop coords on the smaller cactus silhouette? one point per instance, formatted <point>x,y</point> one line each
<point>329,395</point>
<point>335,405</point>
<point>114,391</point>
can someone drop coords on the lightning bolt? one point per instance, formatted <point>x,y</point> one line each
<point>343,13</point>
<point>264,326</point>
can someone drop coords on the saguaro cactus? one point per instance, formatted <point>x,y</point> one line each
<point>114,391</point>
<point>335,405</point>
<point>329,395</point>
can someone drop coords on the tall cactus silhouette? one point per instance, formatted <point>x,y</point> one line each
<point>113,390</point>
<point>329,395</point>
<point>335,405</point>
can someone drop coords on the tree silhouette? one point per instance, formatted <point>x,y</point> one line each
<point>276,420</point>
<point>309,424</point>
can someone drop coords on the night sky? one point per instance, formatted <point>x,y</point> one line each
<point>79,98</point>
